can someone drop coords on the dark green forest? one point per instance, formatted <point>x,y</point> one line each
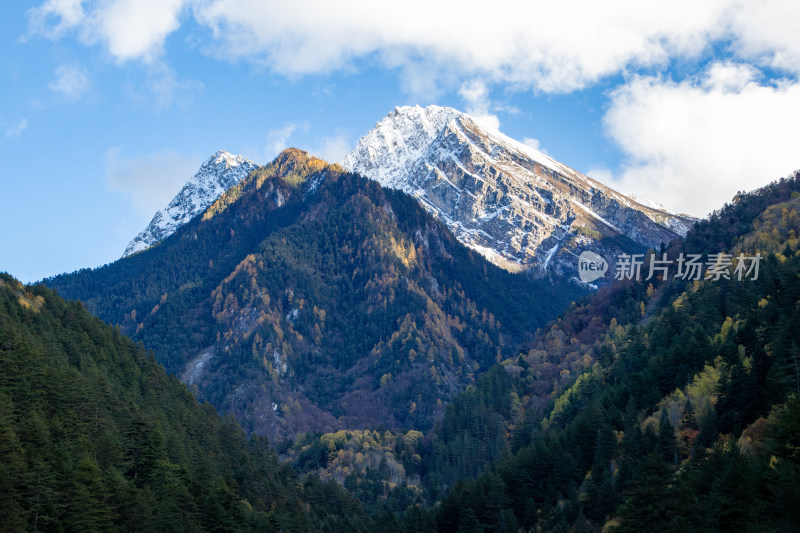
<point>685,416</point>
<point>96,436</point>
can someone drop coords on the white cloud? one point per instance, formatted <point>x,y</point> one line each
<point>332,148</point>
<point>15,130</point>
<point>544,45</point>
<point>476,95</point>
<point>534,143</point>
<point>767,31</point>
<point>53,18</point>
<point>277,140</point>
<point>601,174</point>
<point>693,145</point>
<point>149,181</point>
<point>71,82</point>
<point>129,29</point>
<point>728,77</point>
<point>533,47</point>
<point>136,28</point>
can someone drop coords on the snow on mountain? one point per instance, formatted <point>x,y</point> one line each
<point>217,175</point>
<point>515,205</point>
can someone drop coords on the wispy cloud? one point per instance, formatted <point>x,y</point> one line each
<point>54,18</point>
<point>278,139</point>
<point>333,148</point>
<point>71,82</point>
<point>475,93</point>
<point>601,173</point>
<point>534,143</point>
<point>15,130</point>
<point>163,88</point>
<point>149,181</point>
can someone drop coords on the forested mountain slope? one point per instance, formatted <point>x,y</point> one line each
<point>96,436</point>
<point>306,298</point>
<point>673,405</point>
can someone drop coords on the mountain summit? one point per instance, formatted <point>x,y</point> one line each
<point>219,173</point>
<point>515,205</point>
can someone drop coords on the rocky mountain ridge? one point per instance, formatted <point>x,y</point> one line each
<point>515,205</point>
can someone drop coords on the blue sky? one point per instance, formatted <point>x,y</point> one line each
<point>108,106</point>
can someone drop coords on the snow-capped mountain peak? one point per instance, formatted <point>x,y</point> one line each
<point>398,140</point>
<point>517,206</point>
<point>219,173</point>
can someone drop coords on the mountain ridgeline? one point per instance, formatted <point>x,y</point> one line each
<point>307,298</point>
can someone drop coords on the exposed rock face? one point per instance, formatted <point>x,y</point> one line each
<point>222,171</point>
<point>518,207</point>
